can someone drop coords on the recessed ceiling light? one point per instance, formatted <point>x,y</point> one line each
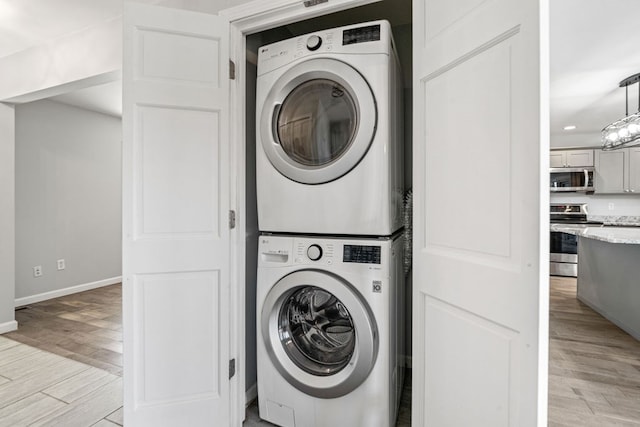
<point>570,127</point>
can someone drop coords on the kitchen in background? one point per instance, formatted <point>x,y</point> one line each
<point>595,156</point>
<point>594,318</point>
<point>594,84</point>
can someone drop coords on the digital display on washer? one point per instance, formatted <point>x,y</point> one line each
<point>361,35</point>
<point>361,254</point>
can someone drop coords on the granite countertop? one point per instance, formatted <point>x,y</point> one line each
<point>626,220</point>
<point>617,234</point>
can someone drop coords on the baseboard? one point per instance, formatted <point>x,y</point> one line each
<point>251,394</point>
<point>66,291</point>
<point>9,326</point>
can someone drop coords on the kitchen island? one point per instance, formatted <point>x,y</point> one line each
<point>609,273</point>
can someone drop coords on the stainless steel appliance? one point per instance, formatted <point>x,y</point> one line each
<point>571,179</point>
<point>564,246</point>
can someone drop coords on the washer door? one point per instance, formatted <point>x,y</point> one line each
<point>319,333</point>
<point>318,121</point>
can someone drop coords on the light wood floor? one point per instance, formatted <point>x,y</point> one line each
<point>86,327</point>
<point>38,388</point>
<point>594,367</point>
<point>63,365</point>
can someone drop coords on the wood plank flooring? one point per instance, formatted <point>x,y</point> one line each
<point>86,327</point>
<point>594,367</point>
<point>63,365</point>
<point>38,388</point>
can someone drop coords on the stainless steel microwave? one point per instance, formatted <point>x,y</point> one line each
<point>571,179</point>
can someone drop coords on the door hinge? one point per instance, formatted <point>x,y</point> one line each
<point>232,219</point>
<point>232,70</point>
<point>309,3</point>
<point>232,368</point>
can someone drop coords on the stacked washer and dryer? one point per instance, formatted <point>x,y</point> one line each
<point>330,288</point>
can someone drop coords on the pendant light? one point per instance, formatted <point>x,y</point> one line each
<point>624,132</point>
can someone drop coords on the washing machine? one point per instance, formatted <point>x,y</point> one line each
<point>329,136</point>
<point>330,328</point>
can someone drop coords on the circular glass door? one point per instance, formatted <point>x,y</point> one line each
<point>316,331</point>
<point>318,121</point>
<point>319,333</point>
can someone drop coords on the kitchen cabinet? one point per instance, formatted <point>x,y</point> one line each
<point>608,275</point>
<point>617,171</point>
<point>571,158</point>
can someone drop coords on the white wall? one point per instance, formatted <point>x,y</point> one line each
<point>575,139</point>
<point>7,260</point>
<point>68,197</point>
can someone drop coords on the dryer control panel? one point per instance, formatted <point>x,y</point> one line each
<point>370,33</point>
<point>366,38</point>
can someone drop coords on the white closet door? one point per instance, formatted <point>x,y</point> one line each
<point>481,213</point>
<point>175,218</point>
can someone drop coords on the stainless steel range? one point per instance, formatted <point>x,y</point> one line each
<point>564,246</point>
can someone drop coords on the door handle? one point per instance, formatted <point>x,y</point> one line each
<point>274,123</point>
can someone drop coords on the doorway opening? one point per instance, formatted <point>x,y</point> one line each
<point>399,16</point>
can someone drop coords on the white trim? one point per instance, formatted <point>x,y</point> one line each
<point>67,291</point>
<point>99,79</point>
<point>260,15</point>
<point>251,395</point>
<point>12,325</point>
<point>237,247</point>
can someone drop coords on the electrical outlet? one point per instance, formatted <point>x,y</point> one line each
<point>61,265</point>
<point>37,271</point>
<point>611,206</point>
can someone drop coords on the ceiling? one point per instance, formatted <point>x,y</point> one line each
<point>28,23</point>
<point>593,47</point>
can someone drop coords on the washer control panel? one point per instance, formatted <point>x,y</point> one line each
<point>312,253</point>
<point>362,254</point>
<point>356,255</point>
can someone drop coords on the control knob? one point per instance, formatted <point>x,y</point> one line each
<point>314,252</point>
<point>314,42</point>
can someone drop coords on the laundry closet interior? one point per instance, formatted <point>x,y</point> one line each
<point>399,16</point>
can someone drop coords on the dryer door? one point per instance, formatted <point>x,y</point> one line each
<point>319,333</point>
<point>318,121</point>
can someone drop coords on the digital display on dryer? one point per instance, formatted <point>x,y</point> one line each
<point>361,35</point>
<point>361,254</point>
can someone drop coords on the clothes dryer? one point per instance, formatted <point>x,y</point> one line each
<point>330,133</point>
<point>330,331</point>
